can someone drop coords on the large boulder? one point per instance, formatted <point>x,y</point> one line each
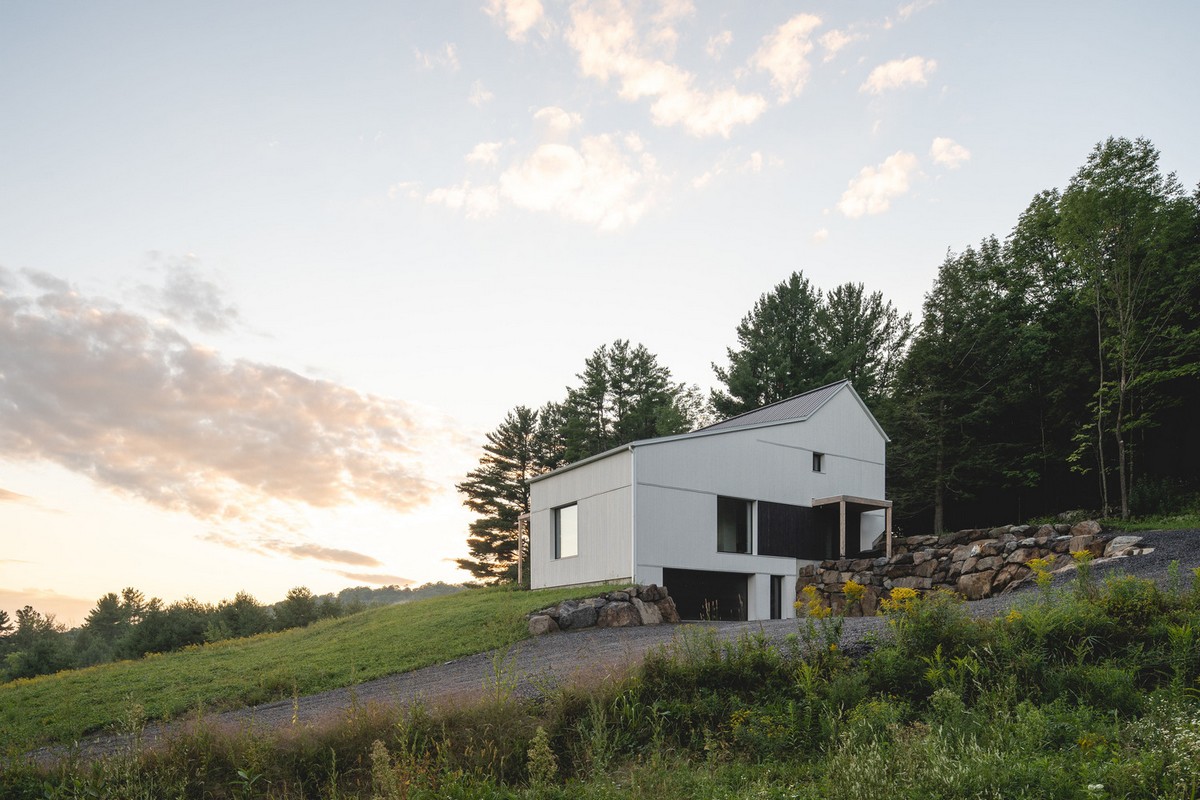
<point>649,613</point>
<point>579,616</point>
<point>540,624</point>
<point>666,607</point>
<point>977,585</point>
<point>1121,545</point>
<point>1089,527</point>
<point>618,615</point>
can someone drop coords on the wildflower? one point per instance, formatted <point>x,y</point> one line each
<point>854,591</point>
<point>1014,616</point>
<point>1081,556</point>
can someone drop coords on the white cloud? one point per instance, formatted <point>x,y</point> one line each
<point>949,153</point>
<point>410,188</point>
<point>733,163</point>
<point>137,407</point>
<point>872,190</point>
<point>445,57</point>
<point>608,180</point>
<point>555,123</point>
<point>188,297</point>
<point>604,182</point>
<point>908,9</point>
<point>479,94</point>
<point>897,73</point>
<point>476,202</point>
<point>718,43</point>
<point>784,54</point>
<point>834,41</point>
<point>484,153</point>
<point>518,16</point>
<point>820,235</point>
<point>605,37</point>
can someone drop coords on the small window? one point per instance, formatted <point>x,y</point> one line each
<point>566,531</point>
<point>818,462</point>
<point>733,525</point>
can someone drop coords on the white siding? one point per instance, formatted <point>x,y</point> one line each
<point>602,491</point>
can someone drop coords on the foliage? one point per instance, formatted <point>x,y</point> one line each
<point>326,655</point>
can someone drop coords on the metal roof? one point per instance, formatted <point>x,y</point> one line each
<point>802,406</point>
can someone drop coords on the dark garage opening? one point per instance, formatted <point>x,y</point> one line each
<point>699,594</point>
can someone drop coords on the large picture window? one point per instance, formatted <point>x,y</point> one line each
<point>566,531</point>
<point>733,525</point>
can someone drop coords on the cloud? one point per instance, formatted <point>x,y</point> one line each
<point>276,538</point>
<point>475,201</point>
<point>913,71</point>
<point>479,95</point>
<point>718,43</point>
<point>445,57</point>
<point>187,297</point>
<point>871,192</point>
<point>139,408</point>
<point>518,16</point>
<point>12,497</point>
<point>820,235</point>
<point>381,579</point>
<point>484,153</point>
<point>908,9</point>
<point>949,153</point>
<point>606,39</point>
<point>732,162</point>
<point>555,123</point>
<point>834,41</point>
<point>606,180</point>
<point>784,54</point>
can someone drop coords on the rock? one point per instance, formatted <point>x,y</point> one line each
<point>925,569</point>
<point>540,624</point>
<point>1122,546</point>
<point>989,563</point>
<point>922,557</point>
<point>903,558</point>
<point>1019,530</point>
<point>913,583</point>
<point>977,585</point>
<point>1007,574</point>
<point>651,593</point>
<point>666,607</point>
<point>968,565</point>
<point>1082,542</point>
<point>649,613</point>
<point>618,615</point>
<point>618,597</point>
<point>1088,527</point>
<point>582,616</point>
<point>1022,555</point>
<point>996,533</point>
<point>958,537</point>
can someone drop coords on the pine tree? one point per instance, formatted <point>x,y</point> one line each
<point>498,491</point>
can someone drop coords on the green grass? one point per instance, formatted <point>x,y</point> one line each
<point>327,655</point>
<point>1166,522</point>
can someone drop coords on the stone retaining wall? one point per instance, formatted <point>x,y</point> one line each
<point>974,563</point>
<point>633,605</point>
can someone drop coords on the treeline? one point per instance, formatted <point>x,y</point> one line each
<point>128,626</point>
<point>1056,368</point>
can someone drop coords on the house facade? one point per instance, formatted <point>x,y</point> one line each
<point>722,516</point>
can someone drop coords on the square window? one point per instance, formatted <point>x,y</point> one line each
<point>566,531</point>
<point>818,462</point>
<point>733,525</point>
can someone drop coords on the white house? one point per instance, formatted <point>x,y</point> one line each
<point>722,516</point>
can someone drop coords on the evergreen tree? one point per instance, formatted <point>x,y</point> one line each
<point>780,351</point>
<point>865,337</point>
<point>498,492</point>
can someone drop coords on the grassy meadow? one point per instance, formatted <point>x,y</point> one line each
<point>331,654</point>
<point>1084,692</point>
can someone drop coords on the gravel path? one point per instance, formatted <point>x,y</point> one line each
<point>532,666</point>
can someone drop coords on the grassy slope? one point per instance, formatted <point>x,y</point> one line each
<point>327,655</point>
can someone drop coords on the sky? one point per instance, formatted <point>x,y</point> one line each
<point>269,272</point>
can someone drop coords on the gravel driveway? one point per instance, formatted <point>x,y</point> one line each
<point>533,665</point>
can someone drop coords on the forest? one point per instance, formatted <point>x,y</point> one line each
<point>1054,368</point>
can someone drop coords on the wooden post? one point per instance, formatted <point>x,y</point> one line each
<point>887,526</point>
<point>842,527</point>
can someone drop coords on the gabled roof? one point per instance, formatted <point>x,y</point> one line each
<point>793,409</point>
<point>802,406</point>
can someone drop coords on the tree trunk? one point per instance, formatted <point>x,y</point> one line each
<point>939,489</point>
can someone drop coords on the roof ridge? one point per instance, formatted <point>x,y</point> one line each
<point>773,404</point>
